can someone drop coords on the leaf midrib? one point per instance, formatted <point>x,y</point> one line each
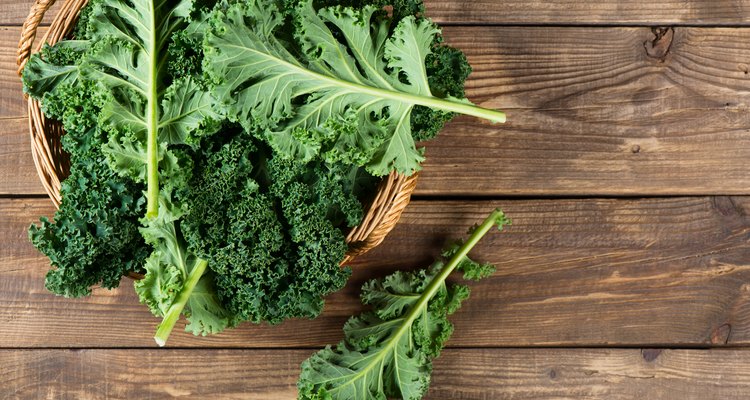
<point>399,97</point>
<point>152,118</point>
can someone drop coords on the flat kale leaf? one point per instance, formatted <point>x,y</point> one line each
<point>147,111</point>
<point>387,352</point>
<point>372,80</point>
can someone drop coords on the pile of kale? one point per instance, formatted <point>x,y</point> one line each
<point>225,221</point>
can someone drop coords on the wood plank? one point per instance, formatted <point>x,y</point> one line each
<point>17,174</point>
<point>613,374</point>
<point>570,273</point>
<point>590,113</point>
<point>12,103</point>
<point>17,171</point>
<point>525,12</point>
<point>610,12</point>
<point>15,12</point>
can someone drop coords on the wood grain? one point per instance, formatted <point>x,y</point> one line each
<point>586,272</point>
<point>533,374</point>
<point>12,103</point>
<point>15,12</point>
<point>566,12</point>
<point>575,12</point>
<point>17,172</point>
<point>592,111</point>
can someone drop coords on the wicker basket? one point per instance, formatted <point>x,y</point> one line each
<point>52,164</point>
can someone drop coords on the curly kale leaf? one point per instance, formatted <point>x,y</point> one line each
<point>94,238</point>
<point>267,225</point>
<point>148,118</point>
<point>447,67</point>
<point>53,67</point>
<point>288,98</point>
<point>125,50</point>
<point>388,351</point>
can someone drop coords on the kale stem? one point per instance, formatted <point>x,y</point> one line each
<point>440,278</point>
<point>152,120</point>
<point>173,314</point>
<point>448,105</point>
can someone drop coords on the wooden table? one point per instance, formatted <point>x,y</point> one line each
<point>624,165</point>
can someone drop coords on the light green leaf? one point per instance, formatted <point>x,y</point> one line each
<point>41,76</point>
<point>204,311</point>
<point>186,107</point>
<point>126,158</point>
<point>387,352</point>
<point>160,285</point>
<point>378,78</point>
<point>129,60</point>
<point>172,262</point>
<point>391,295</point>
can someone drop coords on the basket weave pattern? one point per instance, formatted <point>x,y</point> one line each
<point>52,163</point>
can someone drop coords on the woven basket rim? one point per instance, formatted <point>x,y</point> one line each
<point>383,212</point>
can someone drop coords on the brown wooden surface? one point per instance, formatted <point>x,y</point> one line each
<point>663,271</point>
<point>532,374</point>
<point>590,113</point>
<point>600,104</point>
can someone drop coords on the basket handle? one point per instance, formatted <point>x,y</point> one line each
<point>28,33</point>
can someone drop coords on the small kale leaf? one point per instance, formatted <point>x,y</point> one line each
<point>388,351</point>
<point>176,280</point>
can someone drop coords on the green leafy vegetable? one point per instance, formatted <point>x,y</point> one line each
<point>388,351</point>
<point>58,66</point>
<point>137,111</point>
<point>94,237</point>
<point>270,228</point>
<point>176,280</point>
<point>376,76</point>
<point>247,179</point>
<point>145,114</point>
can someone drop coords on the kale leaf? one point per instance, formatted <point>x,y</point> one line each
<point>270,227</point>
<point>145,115</point>
<point>94,238</point>
<point>388,351</point>
<point>289,97</point>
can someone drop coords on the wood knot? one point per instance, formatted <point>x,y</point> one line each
<point>721,334</point>
<point>658,48</point>
<point>727,207</point>
<point>635,149</point>
<point>650,354</point>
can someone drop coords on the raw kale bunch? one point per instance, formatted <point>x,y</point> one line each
<point>222,149</point>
